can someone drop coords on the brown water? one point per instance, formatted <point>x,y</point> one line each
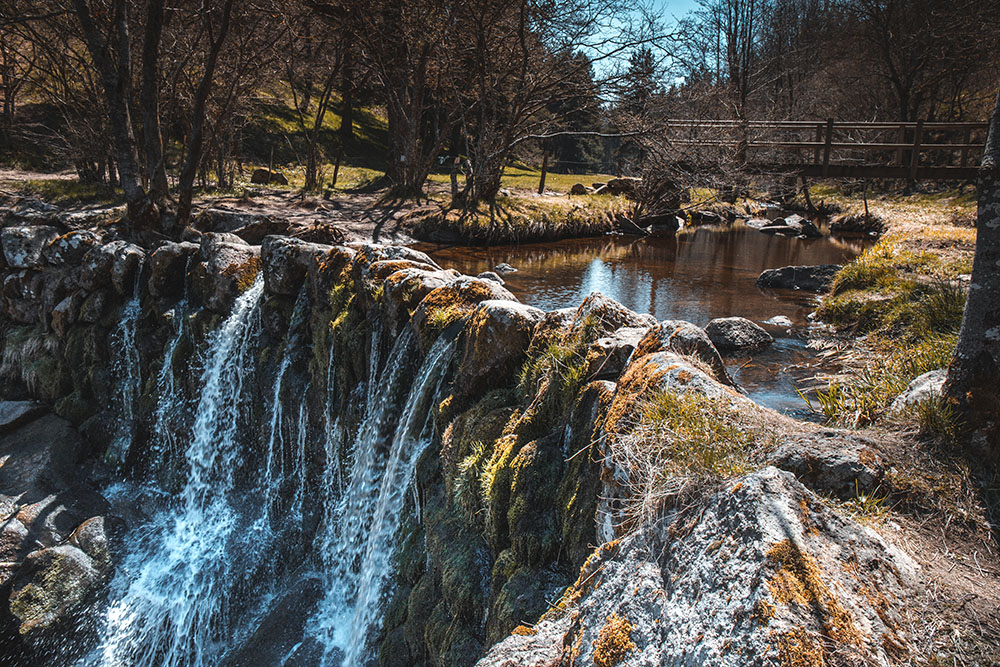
<point>696,275</point>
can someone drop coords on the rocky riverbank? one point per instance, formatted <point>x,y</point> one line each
<point>579,486</point>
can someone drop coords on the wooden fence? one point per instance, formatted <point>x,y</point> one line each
<point>841,149</point>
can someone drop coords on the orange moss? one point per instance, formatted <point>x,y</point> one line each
<point>798,581</point>
<point>524,630</point>
<point>798,649</point>
<point>245,273</point>
<point>639,379</point>
<point>614,641</point>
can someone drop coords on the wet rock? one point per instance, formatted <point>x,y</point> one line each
<point>779,321</point>
<point>50,589</point>
<point>795,571</point>
<point>496,339</point>
<point>490,275</point>
<point>737,334</point>
<point>778,229</point>
<point>96,306</point>
<point>757,223</point>
<point>127,260</point>
<point>803,226</point>
<point>684,338</point>
<point>503,268</point>
<point>607,357</point>
<point>23,245</point>
<point>22,295</point>
<point>168,268</point>
<point>69,248</point>
<point>805,278</point>
<point>581,189</point>
<point>369,253</point>
<point>705,217</point>
<point>925,388</point>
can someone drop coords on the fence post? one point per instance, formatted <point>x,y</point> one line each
<point>915,158</point>
<point>965,150</point>
<point>902,140</point>
<point>826,146</point>
<point>545,168</point>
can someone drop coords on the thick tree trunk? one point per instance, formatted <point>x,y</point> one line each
<point>115,81</point>
<point>973,383</point>
<point>156,169</point>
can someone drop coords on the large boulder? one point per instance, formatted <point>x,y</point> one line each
<point>286,261</point>
<point>600,315</point>
<point>265,177</point>
<point>806,278</point>
<point>449,303</point>
<point>23,245</point>
<point>168,266</point>
<point>802,585</point>
<point>496,338</point>
<point>623,186</point>
<point>228,267</point>
<point>116,264</point>
<point>737,334</point>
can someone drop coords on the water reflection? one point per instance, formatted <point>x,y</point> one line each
<point>696,275</point>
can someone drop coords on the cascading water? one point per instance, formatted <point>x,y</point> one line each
<point>170,600</point>
<point>171,407</point>
<point>125,368</point>
<point>359,543</point>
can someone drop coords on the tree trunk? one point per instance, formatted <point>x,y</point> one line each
<point>115,81</point>
<point>973,383</point>
<point>152,137</point>
<point>193,161</point>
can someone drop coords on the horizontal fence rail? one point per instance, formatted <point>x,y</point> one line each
<point>909,150</point>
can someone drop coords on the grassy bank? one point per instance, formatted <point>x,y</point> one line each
<point>518,220</point>
<point>901,304</point>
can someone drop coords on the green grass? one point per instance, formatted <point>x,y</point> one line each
<point>66,191</point>
<point>910,307</point>
<point>908,295</point>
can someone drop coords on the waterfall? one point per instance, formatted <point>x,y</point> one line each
<point>125,368</point>
<point>171,598</point>
<point>171,406</point>
<point>358,545</point>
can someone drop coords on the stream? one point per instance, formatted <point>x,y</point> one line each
<point>695,275</point>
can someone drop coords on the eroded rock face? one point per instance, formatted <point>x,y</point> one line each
<point>70,248</point>
<point>795,571</point>
<point>737,334</point>
<point>600,314</point>
<point>286,263</point>
<point>607,357</point>
<point>805,278</point>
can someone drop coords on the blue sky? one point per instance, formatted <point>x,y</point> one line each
<point>676,8</point>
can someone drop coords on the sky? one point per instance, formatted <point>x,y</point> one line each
<point>676,8</point>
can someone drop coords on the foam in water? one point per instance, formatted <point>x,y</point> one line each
<point>170,601</point>
<point>359,544</point>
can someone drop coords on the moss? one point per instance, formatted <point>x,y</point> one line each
<point>531,516</point>
<point>797,581</point>
<point>245,273</point>
<point>797,649</point>
<point>614,641</point>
